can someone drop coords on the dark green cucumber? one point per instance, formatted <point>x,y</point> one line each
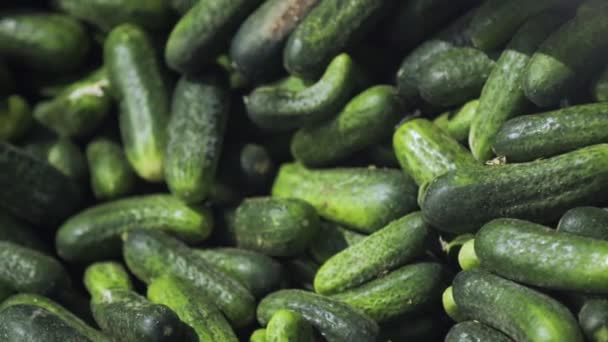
<point>458,123</point>
<point>520,312</point>
<point>473,331</point>
<point>286,325</point>
<point>502,97</point>
<point>567,58</point>
<point>136,81</point>
<point>195,135</point>
<point>19,232</point>
<point>536,255</point>
<point>404,290</point>
<point>15,117</point>
<point>257,47</point>
<point>46,42</point>
<point>276,226</point>
<point>150,254</point>
<point>110,171</point>
<point>248,167</point>
<point>467,258</point>
<point>541,191</point>
<point>101,277</point>
<point>302,272</point>
<point>336,321</point>
<point>192,307</point>
<point>359,198</point>
<point>309,49</point>
<point>599,89</point>
<point>259,273</point>
<point>94,233</point>
<point>535,136</point>
<point>425,151</point>
<point>390,247</point>
<point>79,108</point>
<point>34,190</point>
<point>199,36</point>
<point>288,105</point>
<point>64,155</point>
<point>593,319</point>
<point>367,119</point>
<point>259,335</point>
<point>332,239</point>
<point>585,221</point>
<point>454,76</point>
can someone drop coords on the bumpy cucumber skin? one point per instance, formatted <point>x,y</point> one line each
<point>362,199</point>
<point>331,239</point>
<point>425,151</point>
<point>367,119</point>
<point>110,171</point>
<point>100,277</point>
<point>334,320</point>
<point>136,81</point>
<point>286,325</point>
<point>521,313</point>
<point>195,136</point>
<point>388,248</point>
<point>599,89</point>
<point>473,331</point>
<point>593,319</point>
<point>150,254</point>
<point>541,191</point>
<point>15,117</point>
<point>19,232</point>
<point>502,96</point>
<point>256,48</point>
<point>94,233</point>
<point>547,134</point>
<point>62,154</point>
<point>457,124</point>
<point>585,221</point>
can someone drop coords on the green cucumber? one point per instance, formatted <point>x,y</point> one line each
<point>288,326</point>
<point>249,167</point>
<point>336,321</point>
<point>535,136</point>
<point>467,259</point>
<point>64,155</point>
<point>256,49</point>
<point>136,81</point>
<point>199,36</point>
<point>367,119</point>
<point>450,307</point>
<point>343,195</point>
<point>405,290</point>
<point>150,254</point>
<point>457,124</point>
<point>388,248</point>
<point>585,221</point>
<point>15,117</point>
<point>259,335</point>
<point>94,233</point>
<point>593,319</point>
<point>332,239</point>
<point>520,312</point>
<point>502,97</point>
<point>111,173</point>
<point>19,232</point>
<point>192,307</point>
<point>473,331</point>
<point>101,277</point>
<point>599,88</point>
<point>451,246</point>
<point>425,151</point>
<point>302,272</point>
<point>195,135</point>
<point>463,200</point>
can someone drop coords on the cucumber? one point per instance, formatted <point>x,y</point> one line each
<point>425,151</point>
<point>332,239</point>
<point>451,246</point>
<point>288,326</point>
<point>342,195</point>
<point>256,49</point>
<point>136,81</point>
<point>182,6</point>
<point>599,88</point>
<point>62,154</point>
<point>585,221</point>
<point>462,200</point>
<point>287,104</point>
<point>547,134</point>
<point>593,319</point>
<point>150,254</point>
<point>520,312</point>
<point>473,331</point>
<point>19,232</point>
<point>259,335</point>
<point>302,272</point>
<point>518,250</point>
<point>275,226</point>
<point>374,255</point>
<point>102,277</point>
<point>15,117</point>
<point>111,173</point>
<point>94,233</point>
<point>199,36</point>
<point>249,167</point>
<point>502,97</point>
<point>450,307</point>
<point>192,307</point>
<point>458,123</point>
<point>334,320</point>
<point>467,259</point>
<point>367,119</point>
<point>405,290</point>
<point>309,50</point>
<point>45,42</point>
<point>195,135</point>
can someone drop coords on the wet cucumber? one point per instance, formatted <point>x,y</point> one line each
<point>585,221</point>
<point>593,319</point>
<point>473,331</point>
<point>458,123</point>
<point>110,171</point>
<point>19,232</point>
<point>64,155</point>
<point>15,117</point>
<point>332,239</point>
<point>286,325</point>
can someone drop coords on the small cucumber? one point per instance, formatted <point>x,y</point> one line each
<point>15,117</point>
<point>599,89</point>
<point>388,248</point>
<point>450,307</point>
<point>101,277</point>
<point>473,331</point>
<point>593,319</point>
<point>585,221</point>
<point>111,173</point>
<point>288,326</point>
<point>19,232</point>
<point>467,259</point>
<point>64,155</point>
<point>249,167</point>
<point>332,239</point>
<point>259,335</point>
<point>458,123</point>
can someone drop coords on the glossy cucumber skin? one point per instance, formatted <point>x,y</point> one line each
<point>150,254</point>
<point>457,124</point>
<point>19,232</point>
<point>64,155</point>
<point>110,171</point>
<point>472,331</point>
<point>502,96</point>
<point>286,325</point>
<point>195,136</point>
<point>94,233</point>
<point>332,239</point>
<point>367,119</point>
<point>593,319</point>
<point>388,248</point>
<point>101,277</point>
<point>547,134</point>
<point>599,88</point>
<point>520,312</point>
<point>15,117</point>
<point>425,151</point>
<point>334,320</point>
<point>541,191</point>
<point>405,290</point>
<point>256,49</point>
<point>136,81</point>
<point>362,199</point>
<point>585,221</point>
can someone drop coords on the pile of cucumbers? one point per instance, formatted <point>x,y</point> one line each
<point>304,170</point>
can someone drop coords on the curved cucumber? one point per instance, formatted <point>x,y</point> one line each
<point>332,239</point>
<point>15,117</point>
<point>585,221</point>
<point>457,124</point>
<point>19,232</point>
<point>473,331</point>
<point>286,325</point>
<point>593,319</point>
<point>110,171</point>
